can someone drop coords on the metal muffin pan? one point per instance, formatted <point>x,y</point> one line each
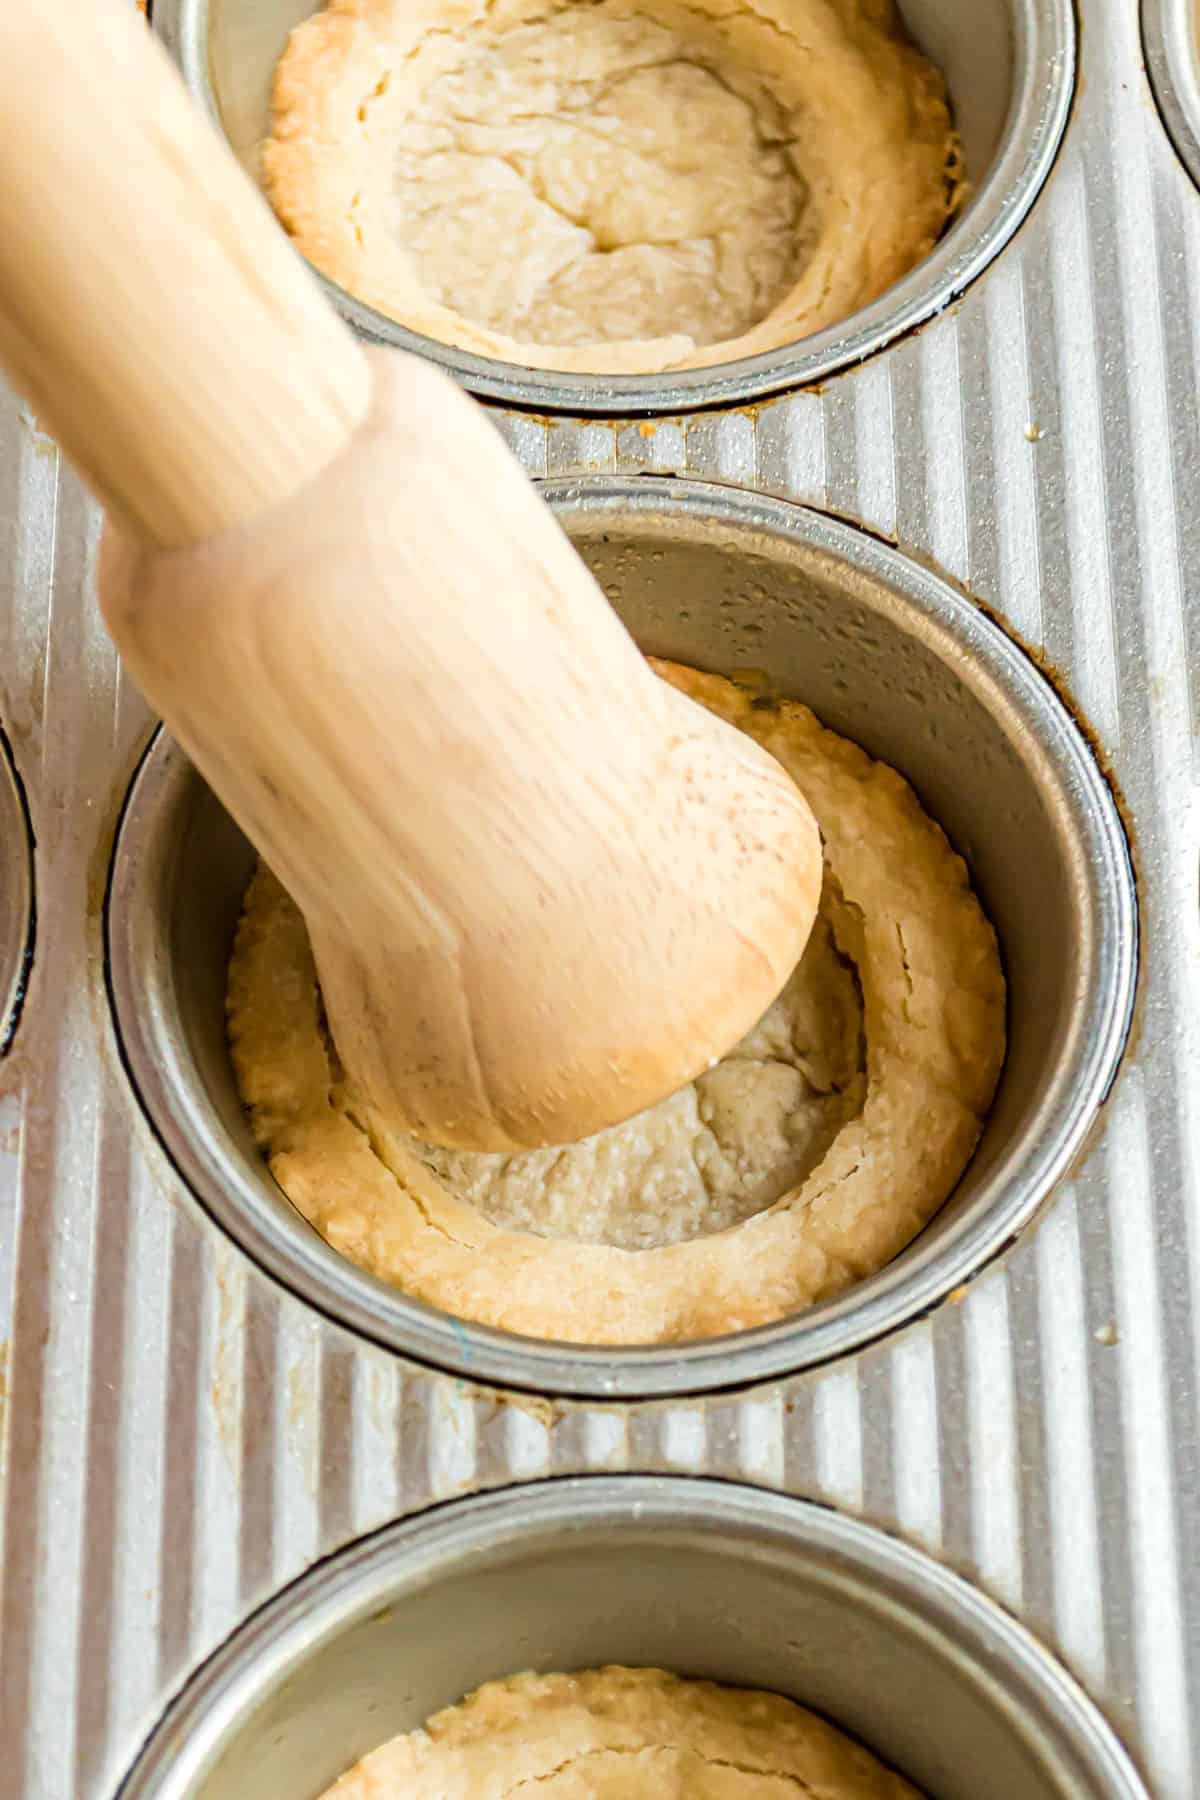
<point>701,1578</point>
<point>181,1436</point>
<point>1171,37</point>
<point>1010,69</point>
<point>16,896</point>
<point>885,653</point>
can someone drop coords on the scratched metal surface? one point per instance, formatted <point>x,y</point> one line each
<point>180,1437</point>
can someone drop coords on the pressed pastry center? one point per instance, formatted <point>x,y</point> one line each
<point>725,1147</point>
<point>616,186</point>
<point>578,180</point>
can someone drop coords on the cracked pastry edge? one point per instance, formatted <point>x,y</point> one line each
<point>315,159</point>
<point>934,1021</point>
<point>516,1733</point>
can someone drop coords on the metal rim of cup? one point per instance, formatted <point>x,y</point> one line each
<point>932,1266</point>
<point>17,911</point>
<point>1043,84</point>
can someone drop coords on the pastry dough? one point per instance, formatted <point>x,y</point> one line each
<point>883,1146</point>
<point>622,186</point>
<point>620,1734</point>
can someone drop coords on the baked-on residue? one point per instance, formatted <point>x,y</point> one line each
<point>617,186</point>
<point>895,1046</point>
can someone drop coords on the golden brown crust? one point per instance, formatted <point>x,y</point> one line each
<point>612,1733</point>
<point>933,999</point>
<point>863,115</point>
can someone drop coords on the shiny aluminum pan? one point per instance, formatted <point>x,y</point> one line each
<point>1010,67</point>
<point>700,1577</point>
<point>885,653</point>
<point>16,896</point>
<point>1171,38</point>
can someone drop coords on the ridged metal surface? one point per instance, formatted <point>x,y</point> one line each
<point>180,1437</point>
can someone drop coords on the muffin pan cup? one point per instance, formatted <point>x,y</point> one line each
<point>1010,70</point>
<point>702,1578</point>
<point>886,654</point>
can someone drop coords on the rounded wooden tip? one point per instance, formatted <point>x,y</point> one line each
<point>613,971</point>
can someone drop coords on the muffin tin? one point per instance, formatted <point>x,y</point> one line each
<point>186,1434</point>
<point>1009,66</point>
<point>885,653</point>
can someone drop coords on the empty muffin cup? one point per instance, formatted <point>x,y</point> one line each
<point>1009,72</point>
<point>701,1578</point>
<point>887,655</point>
<point>16,897</point>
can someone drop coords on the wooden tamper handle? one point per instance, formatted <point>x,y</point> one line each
<point>543,889</point>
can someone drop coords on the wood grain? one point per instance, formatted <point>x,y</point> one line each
<point>151,311</point>
<point>543,890</point>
